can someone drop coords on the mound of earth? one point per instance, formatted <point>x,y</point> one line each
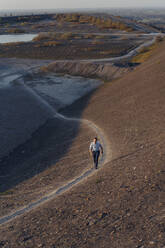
<point>103,71</point>
<point>122,205</point>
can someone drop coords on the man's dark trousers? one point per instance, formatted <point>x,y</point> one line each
<point>96,155</point>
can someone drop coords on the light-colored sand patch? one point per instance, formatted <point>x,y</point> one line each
<point>63,90</point>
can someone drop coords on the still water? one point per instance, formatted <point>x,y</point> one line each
<point>7,38</point>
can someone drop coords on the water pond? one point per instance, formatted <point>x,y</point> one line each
<point>8,38</point>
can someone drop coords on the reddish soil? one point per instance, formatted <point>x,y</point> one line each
<point>122,205</point>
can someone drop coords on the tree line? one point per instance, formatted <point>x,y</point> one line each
<point>100,22</point>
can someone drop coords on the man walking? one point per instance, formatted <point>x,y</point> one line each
<point>94,150</point>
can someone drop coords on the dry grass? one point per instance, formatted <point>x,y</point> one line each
<point>48,44</point>
<point>66,36</point>
<point>100,22</point>
<point>97,42</point>
<point>42,36</point>
<point>37,26</point>
<point>105,52</point>
<point>51,43</point>
<point>24,23</point>
<point>52,36</point>
<point>146,52</point>
<point>100,37</point>
<point>89,49</point>
<point>16,31</point>
<point>13,44</point>
<point>88,36</point>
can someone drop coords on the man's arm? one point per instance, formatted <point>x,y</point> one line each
<point>101,149</point>
<point>90,149</point>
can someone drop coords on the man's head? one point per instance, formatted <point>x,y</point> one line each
<point>95,140</point>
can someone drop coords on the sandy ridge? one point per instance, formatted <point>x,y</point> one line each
<point>106,157</point>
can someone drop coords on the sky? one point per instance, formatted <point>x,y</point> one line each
<point>53,4</point>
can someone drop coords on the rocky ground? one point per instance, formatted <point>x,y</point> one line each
<point>122,205</point>
<point>28,117</point>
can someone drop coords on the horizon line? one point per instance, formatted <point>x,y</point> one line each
<point>94,8</point>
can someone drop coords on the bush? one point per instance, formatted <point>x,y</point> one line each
<point>144,49</point>
<point>101,37</point>
<point>97,42</point>
<point>14,43</point>
<point>159,38</point>
<point>48,44</point>
<point>37,26</point>
<point>51,43</point>
<point>88,36</point>
<point>66,36</point>
<point>100,22</point>
<point>52,36</point>
<point>7,25</point>
<point>16,31</point>
<point>42,36</point>
<point>24,23</point>
<point>144,54</point>
<point>87,49</point>
<point>105,52</point>
<point>52,24</point>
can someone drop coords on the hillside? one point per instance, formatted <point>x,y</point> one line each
<point>122,205</point>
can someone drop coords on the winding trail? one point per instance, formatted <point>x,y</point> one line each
<point>128,55</point>
<point>104,140</point>
<point>105,158</point>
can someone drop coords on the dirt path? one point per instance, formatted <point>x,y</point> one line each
<point>105,158</point>
<point>128,55</point>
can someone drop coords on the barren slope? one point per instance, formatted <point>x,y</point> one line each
<point>122,206</point>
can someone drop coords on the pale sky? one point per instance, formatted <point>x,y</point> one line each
<point>53,4</point>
